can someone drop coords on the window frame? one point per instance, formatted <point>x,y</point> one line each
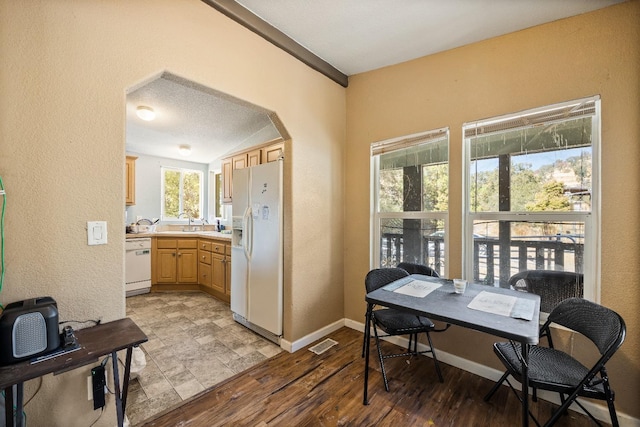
<point>163,170</point>
<point>376,217</point>
<point>591,219</point>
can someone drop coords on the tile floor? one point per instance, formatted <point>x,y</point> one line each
<point>194,344</point>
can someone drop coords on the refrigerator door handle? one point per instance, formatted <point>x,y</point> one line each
<point>248,228</point>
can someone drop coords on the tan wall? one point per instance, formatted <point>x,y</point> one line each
<point>66,66</point>
<point>595,53</point>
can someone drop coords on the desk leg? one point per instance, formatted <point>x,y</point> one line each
<point>116,387</point>
<point>367,339</point>
<point>8,406</point>
<point>125,385</point>
<point>525,384</point>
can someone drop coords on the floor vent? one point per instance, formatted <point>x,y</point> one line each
<point>323,346</point>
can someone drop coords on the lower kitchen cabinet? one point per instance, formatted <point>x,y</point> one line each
<point>176,261</point>
<point>215,267</point>
<point>192,263</point>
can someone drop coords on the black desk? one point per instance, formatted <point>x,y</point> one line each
<point>95,342</point>
<point>445,305</point>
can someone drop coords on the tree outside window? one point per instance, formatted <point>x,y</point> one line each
<point>181,193</point>
<point>531,193</point>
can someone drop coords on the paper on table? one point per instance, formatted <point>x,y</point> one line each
<point>417,288</point>
<point>503,305</point>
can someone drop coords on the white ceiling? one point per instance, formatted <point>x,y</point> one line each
<point>362,35</point>
<point>352,35</point>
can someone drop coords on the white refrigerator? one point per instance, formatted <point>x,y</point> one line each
<point>257,249</point>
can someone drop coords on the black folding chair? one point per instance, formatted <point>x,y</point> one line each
<point>553,286</point>
<point>412,268</point>
<point>394,322</point>
<point>556,371</point>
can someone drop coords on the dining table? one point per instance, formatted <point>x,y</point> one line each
<point>505,313</point>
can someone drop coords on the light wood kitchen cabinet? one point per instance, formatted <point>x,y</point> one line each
<point>272,152</point>
<point>254,157</point>
<point>227,186</point>
<point>240,161</point>
<point>214,268</point>
<point>130,176</point>
<point>176,261</point>
<point>264,154</point>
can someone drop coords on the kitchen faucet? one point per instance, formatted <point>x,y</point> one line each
<point>189,218</point>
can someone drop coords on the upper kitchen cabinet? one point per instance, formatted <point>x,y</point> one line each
<point>227,188</point>
<point>130,174</point>
<point>256,156</point>
<point>272,152</point>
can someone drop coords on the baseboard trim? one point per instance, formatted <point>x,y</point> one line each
<point>296,345</point>
<point>600,412</point>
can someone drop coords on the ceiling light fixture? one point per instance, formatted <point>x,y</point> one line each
<point>146,113</point>
<point>184,149</point>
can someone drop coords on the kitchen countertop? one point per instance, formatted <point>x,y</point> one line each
<point>205,234</point>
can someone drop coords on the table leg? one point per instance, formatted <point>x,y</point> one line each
<point>8,406</point>
<point>367,339</point>
<point>125,385</point>
<point>116,387</point>
<point>525,384</point>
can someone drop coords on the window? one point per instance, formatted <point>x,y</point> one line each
<point>532,193</point>
<point>181,193</point>
<point>410,184</point>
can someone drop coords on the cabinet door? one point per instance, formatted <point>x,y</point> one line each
<point>218,272</point>
<point>272,152</point>
<point>166,266</point>
<point>130,176</point>
<point>227,276</point>
<point>254,157</point>
<point>187,265</point>
<point>204,274</point>
<point>239,161</point>
<point>227,186</point>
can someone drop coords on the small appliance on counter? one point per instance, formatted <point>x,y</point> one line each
<point>28,328</point>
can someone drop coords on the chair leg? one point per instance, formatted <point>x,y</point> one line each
<point>612,413</point>
<point>435,359</point>
<point>384,373</point>
<point>364,338</point>
<point>496,386</point>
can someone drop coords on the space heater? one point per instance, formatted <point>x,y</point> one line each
<point>28,328</point>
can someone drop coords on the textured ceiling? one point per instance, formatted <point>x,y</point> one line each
<point>211,122</point>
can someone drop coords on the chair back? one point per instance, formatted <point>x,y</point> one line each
<point>418,269</point>
<point>553,286</point>
<point>382,276</point>
<point>600,324</point>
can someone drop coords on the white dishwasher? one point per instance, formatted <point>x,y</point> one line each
<point>137,264</point>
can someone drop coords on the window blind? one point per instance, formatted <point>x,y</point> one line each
<point>574,109</point>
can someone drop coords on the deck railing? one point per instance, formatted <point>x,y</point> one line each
<point>562,252</point>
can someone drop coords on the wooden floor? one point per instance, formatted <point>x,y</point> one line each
<point>305,389</point>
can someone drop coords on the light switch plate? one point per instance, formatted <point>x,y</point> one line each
<point>97,232</point>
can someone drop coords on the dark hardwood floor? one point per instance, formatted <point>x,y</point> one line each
<point>305,389</point>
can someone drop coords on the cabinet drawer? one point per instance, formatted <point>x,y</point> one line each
<point>228,249</point>
<point>204,256</point>
<point>218,248</point>
<point>188,243</point>
<point>204,245</point>
<point>167,243</point>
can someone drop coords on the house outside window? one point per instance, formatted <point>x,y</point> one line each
<point>409,185</point>
<point>532,194</point>
<point>181,193</point>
